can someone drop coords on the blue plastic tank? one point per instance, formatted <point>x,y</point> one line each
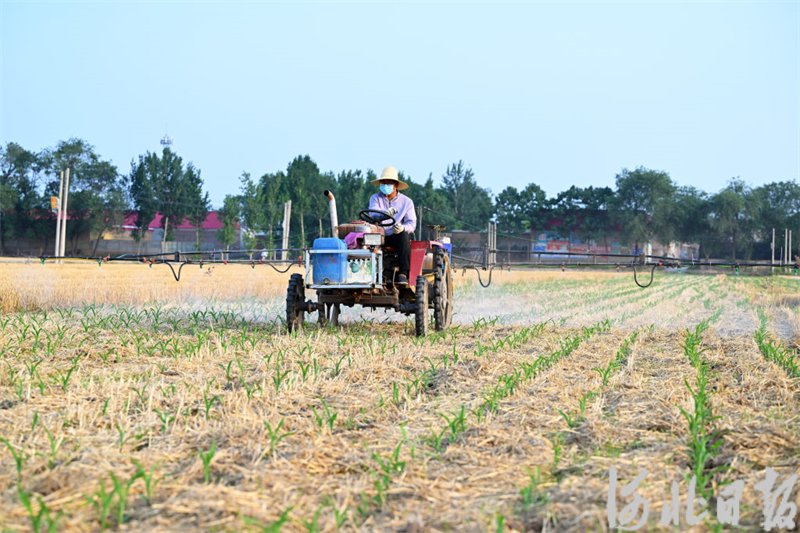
<point>329,268</point>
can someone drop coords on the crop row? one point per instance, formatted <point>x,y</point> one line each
<point>774,351</point>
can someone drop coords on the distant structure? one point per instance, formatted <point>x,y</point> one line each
<point>166,142</point>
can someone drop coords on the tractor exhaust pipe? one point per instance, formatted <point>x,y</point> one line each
<point>334,216</point>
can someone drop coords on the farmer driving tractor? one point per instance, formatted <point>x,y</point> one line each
<point>399,206</point>
<point>375,262</point>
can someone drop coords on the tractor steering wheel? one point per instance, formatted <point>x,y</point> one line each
<point>384,220</point>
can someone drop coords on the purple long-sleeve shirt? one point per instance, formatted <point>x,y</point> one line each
<point>406,215</point>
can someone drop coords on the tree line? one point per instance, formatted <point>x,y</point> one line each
<point>644,204</point>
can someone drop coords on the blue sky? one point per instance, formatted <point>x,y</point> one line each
<point>556,93</point>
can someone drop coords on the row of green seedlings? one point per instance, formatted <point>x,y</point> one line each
<point>576,418</point>
<point>383,470</point>
<point>246,339</point>
<point>32,336</point>
<point>774,351</point>
<point>116,318</point>
<point>533,495</point>
<point>614,299</point>
<point>210,400</point>
<point>418,383</point>
<point>22,382</point>
<point>561,286</point>
<point>662,294</point>
<point>705,438</point>
<point>110,502</point>
<point>457,423</point>
<point>456,331</point>
<point>601,297</point>
<point>507,384</point>
<point>387,468</point>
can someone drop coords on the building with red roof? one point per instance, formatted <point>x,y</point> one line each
<point>185,237</point>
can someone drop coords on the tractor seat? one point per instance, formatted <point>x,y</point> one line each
<point>357,226</point>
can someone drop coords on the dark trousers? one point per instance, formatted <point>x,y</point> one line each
<point>401,242</point>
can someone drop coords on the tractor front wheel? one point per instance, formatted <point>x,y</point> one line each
<point>295,303</point>
<point>421,313</point>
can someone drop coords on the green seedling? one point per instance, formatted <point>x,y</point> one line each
<point>41,520</point>
<point>279,377</point>
<point>209,401</point>
<point>312,525</point>
<point>457,423</point>
<point>101,500</point>
<point>275,434</point>
<point>166,419</point>
<point>328,418</point>
<point>55,444</point>
<point>121,489</point>
<point>500,523</point>
<point>558,450</point>
<point>340,515</point>
<point>304,368</point>
<point>437,440</point>
<point>206,457</point>
<point>147,476</point>
<point>18,455</point>
<point>572,421</point>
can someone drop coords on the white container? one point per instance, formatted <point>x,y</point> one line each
<point>359,271</point>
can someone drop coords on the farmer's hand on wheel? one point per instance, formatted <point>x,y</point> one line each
<point>392,211</point>
<point>398,228</point>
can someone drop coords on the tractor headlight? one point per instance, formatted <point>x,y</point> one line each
<point>372,239</point>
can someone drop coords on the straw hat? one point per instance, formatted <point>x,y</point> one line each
<point>390,174</point>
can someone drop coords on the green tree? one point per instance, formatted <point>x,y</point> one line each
<point>352,194</point>
<point>97,195</point>
<point>595,224</point>
<point>470,204</point>
<point>229,216</point>
<point>642,205</point>
<point>432,203</point>
<point>162,184</point>
<point>733,217</point>
<point>534,207</point>
<point>508,209</point>
<point>275,192</point>
<point>19,196</point>
<point>781,206</point>
<point>197,200</point>
<point>689,216</point>
<point>303,181</point>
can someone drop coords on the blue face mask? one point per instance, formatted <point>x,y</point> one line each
<point>387,188</point>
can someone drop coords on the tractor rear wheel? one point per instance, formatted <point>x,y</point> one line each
<point>421,313</point>
<point>295,303</point>
<point>442,290</point>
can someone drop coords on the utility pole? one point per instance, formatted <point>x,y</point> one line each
<point>58,214</point>
<point>773,246</point>
<point>785,245</point>
<point>65,215</point>
<point>789,253</point>
<point>287,218</point>
<point>491,245</point>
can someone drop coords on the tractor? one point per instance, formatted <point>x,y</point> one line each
<point>355,267</point>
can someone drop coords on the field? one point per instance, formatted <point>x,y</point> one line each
<point>129,401</point>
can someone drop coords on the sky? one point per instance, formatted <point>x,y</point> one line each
<point>554,93</point>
